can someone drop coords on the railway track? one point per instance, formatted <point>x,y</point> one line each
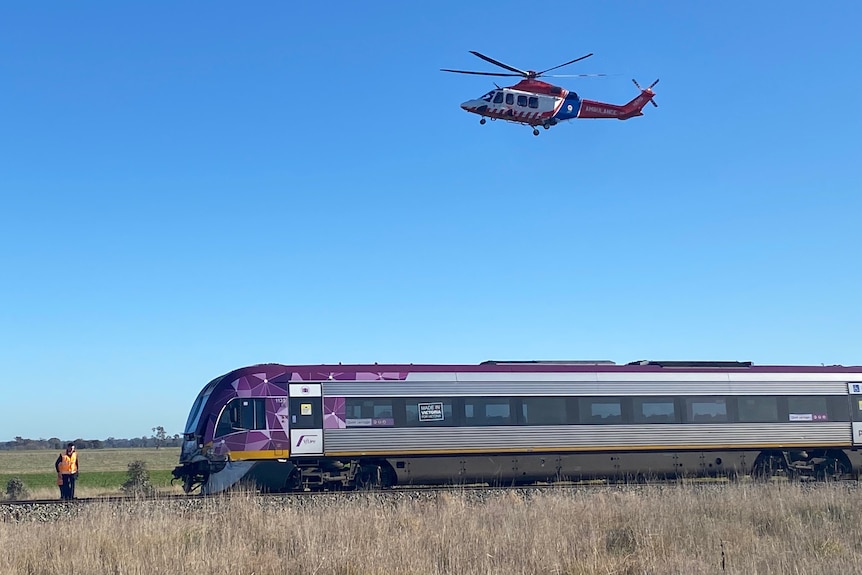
<point>402,490</point>
<point>50,510</point>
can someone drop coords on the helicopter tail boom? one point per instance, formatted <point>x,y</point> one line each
<point>593,109</point>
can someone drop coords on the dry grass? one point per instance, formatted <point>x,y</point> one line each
<point>755,529</point>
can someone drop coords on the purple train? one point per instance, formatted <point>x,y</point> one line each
<point>313,427</point>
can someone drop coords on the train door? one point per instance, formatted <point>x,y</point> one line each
<point>855,389</point>
<point>306,419</point>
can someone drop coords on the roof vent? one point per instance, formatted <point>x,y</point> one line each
<point>694,364</point>
<point>549,362</point>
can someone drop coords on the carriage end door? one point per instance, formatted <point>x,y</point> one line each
<point>306,419</point>
<point>855,389</point>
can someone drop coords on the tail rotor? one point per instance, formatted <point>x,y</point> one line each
<point>648,89</point>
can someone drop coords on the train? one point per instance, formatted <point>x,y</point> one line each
<point>285,428</point>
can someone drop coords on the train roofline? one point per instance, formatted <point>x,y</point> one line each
<point>346,370</point>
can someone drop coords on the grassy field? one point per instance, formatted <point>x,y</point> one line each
<point>763,529</point>
<point>103,471</point>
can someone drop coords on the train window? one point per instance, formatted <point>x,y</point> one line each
<point>543,410</point>
<point>572,410</point>
<point>601,410</point>
<point>533,102</point>
<point>368,412</point>
<point>241,414</point>
<point>428,412</point>
<point>223,427</point>
<point>654,410</point>
<point>487,411</point>
<point>498,99</point>
<point>510,99</point>
<point>838,408</point>
<point>706,409</point>
<point>810,408</point>
<point>758,409</point>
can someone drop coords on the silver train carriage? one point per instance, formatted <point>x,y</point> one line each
<point>313,427</point>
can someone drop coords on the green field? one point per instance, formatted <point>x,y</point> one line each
<point>102,471</point>
<point>90,460</point>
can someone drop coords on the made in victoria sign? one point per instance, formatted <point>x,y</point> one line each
<point>431,411</point>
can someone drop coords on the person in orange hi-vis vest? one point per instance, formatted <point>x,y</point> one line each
<point>67,471</point>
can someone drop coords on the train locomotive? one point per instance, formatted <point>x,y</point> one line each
<point>328,427</point>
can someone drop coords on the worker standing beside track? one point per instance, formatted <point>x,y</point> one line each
<point>67,471</point>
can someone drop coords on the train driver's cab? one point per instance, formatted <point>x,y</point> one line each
<point>241,414</point>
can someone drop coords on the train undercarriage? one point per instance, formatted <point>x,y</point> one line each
<point>803,465</point>
<point>325,474</point>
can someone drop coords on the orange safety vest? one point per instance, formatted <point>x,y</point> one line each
<point>68,463</point>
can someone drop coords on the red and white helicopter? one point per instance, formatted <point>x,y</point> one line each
<point>536,103</point>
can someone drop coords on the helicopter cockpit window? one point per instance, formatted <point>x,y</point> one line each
<point>487,97</point>
<point>498,99</point>
<point>522,100</point>
<point>510,99</point>
<point>534,102</point>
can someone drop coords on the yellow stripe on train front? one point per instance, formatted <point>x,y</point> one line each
<point>264,454</point>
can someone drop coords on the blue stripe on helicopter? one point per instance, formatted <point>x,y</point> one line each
<point>570,107</point>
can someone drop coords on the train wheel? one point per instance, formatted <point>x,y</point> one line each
<point>294,481</point>
<point>369,477</point>
<point>834,467</point>
<point>769,465</point>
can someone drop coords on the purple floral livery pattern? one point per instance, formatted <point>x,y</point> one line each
<point>270,382</point>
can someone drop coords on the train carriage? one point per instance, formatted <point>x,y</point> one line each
<point>288,428</point>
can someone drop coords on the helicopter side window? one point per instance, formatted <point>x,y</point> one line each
<point>510,99</point>
<point>498,99</point>
<point>534,102</point>
<point>522,100</point>
<point>487,97</point>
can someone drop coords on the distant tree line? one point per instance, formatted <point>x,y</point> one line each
<point>159,439</point>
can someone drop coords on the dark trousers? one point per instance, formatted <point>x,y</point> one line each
<point>67,488</point>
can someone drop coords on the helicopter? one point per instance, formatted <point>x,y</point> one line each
<point>535,103</point>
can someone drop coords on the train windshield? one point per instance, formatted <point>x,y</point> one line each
<point>197,407</point>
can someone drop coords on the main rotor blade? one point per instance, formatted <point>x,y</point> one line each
<point>478,73</point>
<point>500,64</point>
<point>576,75</point>
<point>566,64</point>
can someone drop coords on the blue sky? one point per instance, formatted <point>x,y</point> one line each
<point>193,187</point>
